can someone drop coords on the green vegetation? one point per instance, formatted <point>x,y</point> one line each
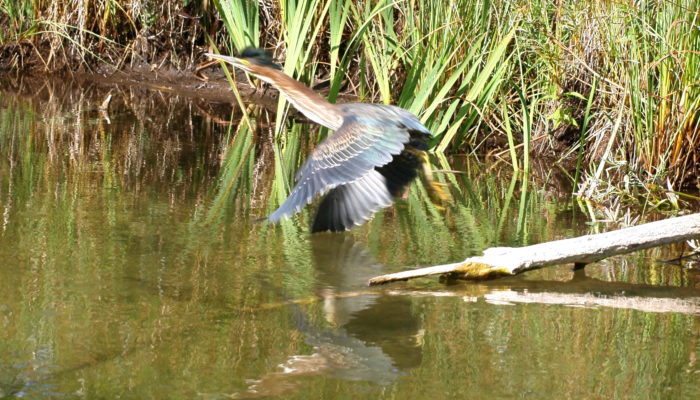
<point>612,88</point>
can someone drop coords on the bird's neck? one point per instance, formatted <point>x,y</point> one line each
<point>308,102</point>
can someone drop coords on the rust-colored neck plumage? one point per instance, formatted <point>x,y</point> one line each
<point>308,102</point>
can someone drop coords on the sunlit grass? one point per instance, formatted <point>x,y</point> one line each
<point>242,23</point>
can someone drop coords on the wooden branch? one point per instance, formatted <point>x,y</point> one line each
<point>505,261</point>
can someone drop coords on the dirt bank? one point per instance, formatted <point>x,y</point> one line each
<point>207,83</point>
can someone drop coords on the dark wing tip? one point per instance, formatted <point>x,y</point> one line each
<point>259,56</point>
<point>352,204</point>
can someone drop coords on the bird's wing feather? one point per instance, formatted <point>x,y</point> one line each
<point>356,148</point>
<point>352,204</point>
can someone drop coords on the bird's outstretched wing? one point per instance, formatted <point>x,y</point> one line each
<point>362,143</point>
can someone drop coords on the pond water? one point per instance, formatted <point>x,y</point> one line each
<point>131,266</point>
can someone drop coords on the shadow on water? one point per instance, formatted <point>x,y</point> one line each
<point>132,267</point>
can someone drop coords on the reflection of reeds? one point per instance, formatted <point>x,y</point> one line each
<point>77,140</point>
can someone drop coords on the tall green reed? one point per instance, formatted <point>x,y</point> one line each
<point>241,18</point>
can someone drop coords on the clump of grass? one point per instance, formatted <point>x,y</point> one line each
<point>645,62</point>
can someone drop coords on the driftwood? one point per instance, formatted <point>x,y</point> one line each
<point>506,261</point>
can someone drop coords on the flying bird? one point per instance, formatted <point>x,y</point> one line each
<point>374,153</point>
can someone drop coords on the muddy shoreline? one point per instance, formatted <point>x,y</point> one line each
<point>208,84</point>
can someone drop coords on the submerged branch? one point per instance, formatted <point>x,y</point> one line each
<point>505,261</point>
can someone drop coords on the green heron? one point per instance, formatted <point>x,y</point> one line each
<point>370,159</point>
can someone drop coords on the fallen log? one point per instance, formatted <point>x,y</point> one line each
<point>507,261</point>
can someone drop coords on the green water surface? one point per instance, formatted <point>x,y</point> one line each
<point>131,267</point>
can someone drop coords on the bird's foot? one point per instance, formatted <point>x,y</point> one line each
<point>439,195</point>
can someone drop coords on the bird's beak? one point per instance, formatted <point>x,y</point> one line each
<point>236,62</point>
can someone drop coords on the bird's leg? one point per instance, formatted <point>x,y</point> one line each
<point>438,195</point>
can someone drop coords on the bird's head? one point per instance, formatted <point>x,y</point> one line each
<point>256,61</point>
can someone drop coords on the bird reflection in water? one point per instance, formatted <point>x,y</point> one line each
<point>370,336</point>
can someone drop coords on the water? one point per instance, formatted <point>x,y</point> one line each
<point>131,267</point>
